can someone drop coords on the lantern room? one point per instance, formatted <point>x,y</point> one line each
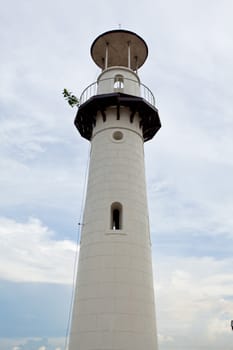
<point>119,54</point>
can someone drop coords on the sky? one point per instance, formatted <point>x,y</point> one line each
<point>45,47</point>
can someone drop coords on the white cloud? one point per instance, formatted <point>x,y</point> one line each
<point>30,252</point>
<point>218,327</point>
<point>190,193</point>
<point>165,339</point>
<point>191,156</point>
<point>32,344</point>
<point>194,301</point>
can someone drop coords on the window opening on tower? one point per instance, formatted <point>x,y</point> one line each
<point>116,216</point>
<point>116,219</point>
<point>118,82</point>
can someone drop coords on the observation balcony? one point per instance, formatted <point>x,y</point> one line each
<point>128,86</point>
<point>118,90</point>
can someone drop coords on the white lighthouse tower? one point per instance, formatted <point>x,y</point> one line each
<point>114,296</point>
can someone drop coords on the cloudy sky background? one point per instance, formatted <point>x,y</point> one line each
<point>189,165</point>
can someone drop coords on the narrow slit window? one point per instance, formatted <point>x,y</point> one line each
<point>116,219</point>
<point>116,216</point>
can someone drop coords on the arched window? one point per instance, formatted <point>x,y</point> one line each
<point>116,216</point>
<point>118,82</point>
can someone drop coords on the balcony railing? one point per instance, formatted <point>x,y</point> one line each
<point>143,90</point>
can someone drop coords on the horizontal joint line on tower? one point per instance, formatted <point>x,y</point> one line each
<point>118,127</point>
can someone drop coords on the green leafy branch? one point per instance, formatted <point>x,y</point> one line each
<point>70,98</point>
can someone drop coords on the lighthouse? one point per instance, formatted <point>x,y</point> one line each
<point>114,306</point>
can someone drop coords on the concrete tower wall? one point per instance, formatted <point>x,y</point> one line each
<point>114,303</point>
<point>107,81</point>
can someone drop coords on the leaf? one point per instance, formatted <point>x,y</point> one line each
<point>71,99</point>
